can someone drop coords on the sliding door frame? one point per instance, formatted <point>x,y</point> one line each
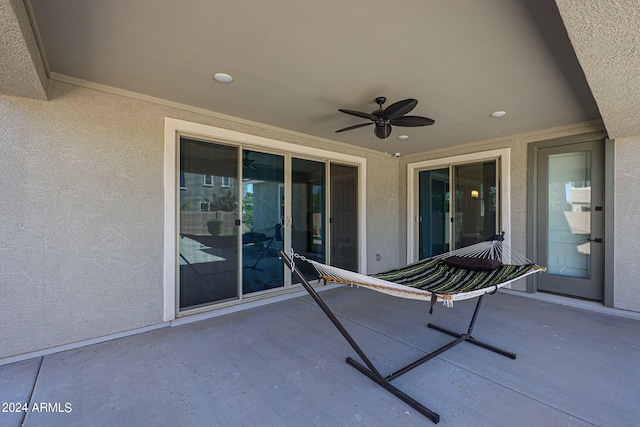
<point>413,169</point>
<point>175,128</point>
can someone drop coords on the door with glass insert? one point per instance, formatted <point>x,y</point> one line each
<point>570,220</point>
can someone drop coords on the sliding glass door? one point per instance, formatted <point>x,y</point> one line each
<point>457,206</point>
<point>240,206</point>
<point>475,202</point>
<point>343,219</point>
<point>308,212</point>
<point>208,230</point>
<point>262,221</point>
<point>433,212</point>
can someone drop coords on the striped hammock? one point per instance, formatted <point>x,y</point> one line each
<point>434,279</point>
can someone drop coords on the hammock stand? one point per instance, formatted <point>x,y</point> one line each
<point>369,369</point>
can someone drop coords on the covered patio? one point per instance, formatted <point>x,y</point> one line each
<point>283,364</point>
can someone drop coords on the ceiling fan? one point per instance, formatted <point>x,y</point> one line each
<point>246,161</point>
<point>394,115</point>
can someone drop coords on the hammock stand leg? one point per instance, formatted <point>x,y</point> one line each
<point>369,370</point>
<point>467,337</point>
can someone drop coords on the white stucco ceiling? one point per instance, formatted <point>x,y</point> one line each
<point>295,63</point>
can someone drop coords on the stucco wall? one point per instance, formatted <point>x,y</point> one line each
<point>626,271</point>
<point>81,218</point>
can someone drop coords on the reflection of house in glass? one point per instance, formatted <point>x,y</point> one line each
<point>569,249</point>
<point>205,199</point>
<point>579,219</point>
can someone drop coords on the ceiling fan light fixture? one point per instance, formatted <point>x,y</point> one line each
<point>222,78</point>
<point>498,114</point>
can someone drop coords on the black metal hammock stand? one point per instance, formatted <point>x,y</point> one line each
<point>465,273</point>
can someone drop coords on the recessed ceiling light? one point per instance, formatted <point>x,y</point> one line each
<point>498,114</point>
<point>222,78</point>
<point>403,136</point>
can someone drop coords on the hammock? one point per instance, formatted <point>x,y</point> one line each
<point>465,273</point>
<point>457,275</point>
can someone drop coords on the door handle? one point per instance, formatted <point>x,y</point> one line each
<point>596,240</point>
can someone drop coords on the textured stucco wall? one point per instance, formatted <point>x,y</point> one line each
<point>21,69</point>
<point>606,40</point>
<point>81,218</point>
<point>626,270</point>
<point>383,209</point>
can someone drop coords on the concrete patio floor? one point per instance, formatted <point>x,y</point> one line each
<point>283,364</point>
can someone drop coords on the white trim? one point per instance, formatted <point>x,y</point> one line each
<point>246,306</point>
<point>503,154</point>
<point>172,128</point>
<point>170,231</point>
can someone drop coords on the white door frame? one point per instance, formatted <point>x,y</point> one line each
<point>173,128</point>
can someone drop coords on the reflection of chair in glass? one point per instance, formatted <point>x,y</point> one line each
<point>254,238</point>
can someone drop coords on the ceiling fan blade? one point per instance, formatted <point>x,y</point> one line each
<point>359,114</point>
<point>399,109</point>
<point>354,127</point>
<point>382,131</point>
<point>412,121</point>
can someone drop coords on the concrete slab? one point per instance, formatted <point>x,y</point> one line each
<point>16,384</point>
<point>284,365</point>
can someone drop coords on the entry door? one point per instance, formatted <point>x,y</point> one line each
<point>570,220</point>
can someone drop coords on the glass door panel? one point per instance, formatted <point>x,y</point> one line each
<point>308,212</point>
<point>208,240</point>
<point>344,216</point>
<point>569,214</point>
<point>262,213</point>
<point>433,212</point>
<point>475,202</point>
